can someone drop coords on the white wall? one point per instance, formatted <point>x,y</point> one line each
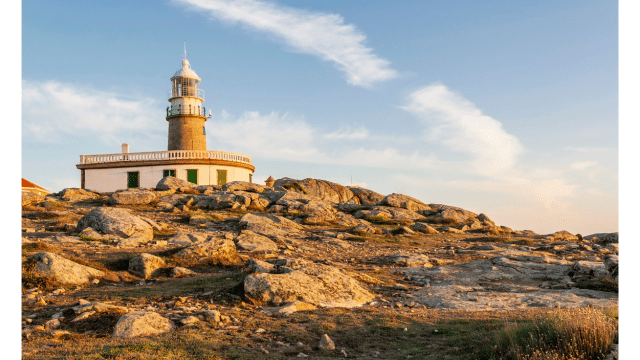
<point>107,180</point>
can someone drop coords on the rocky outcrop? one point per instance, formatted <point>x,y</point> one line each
<point>322,189</point>
<point>170,182</point>
<point>605,238</point>
<point>29,198</point>
<point>132,197</point>
<point>243,186</point>
<point>424,228</point>
<point>118,222</point>
<point>252,242</point>
<point>365,196</point>
<point>405,202</point>
<point>141,323</point>
<point>145,264</point>
<point>215,248</point>
<point>315,284</point>
<point>63,270</point>
<point>78,194</point>
<point>564,235</point>
<point>269,225</point>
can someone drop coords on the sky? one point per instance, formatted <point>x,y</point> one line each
<point>507,108</point>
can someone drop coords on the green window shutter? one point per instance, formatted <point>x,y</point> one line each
<point>166,173</point>
<point>222,177</point>
<point>133,179</point>
<point>192,176</point>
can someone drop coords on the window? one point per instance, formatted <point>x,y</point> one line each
<point>133,179</point>
<point>222,177</point>
<point>250,178</point>
<point>166,173</point>
<point>192,176</point>
<point>203,131</point>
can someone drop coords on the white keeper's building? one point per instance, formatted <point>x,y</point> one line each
<point>186,157</point>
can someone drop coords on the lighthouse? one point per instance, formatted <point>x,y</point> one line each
<point>186,156</point>
<point>186,114</point>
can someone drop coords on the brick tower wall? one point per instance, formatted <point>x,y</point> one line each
<point>186,133</point>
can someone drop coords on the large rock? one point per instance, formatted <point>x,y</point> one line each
<point>141,323</point>
<point>269,225</point>
<point>588,271</point>
<point>118,222</point>
<point>321,189</point>
<point>78,194</point>
<point>170,182</point>
<point>243,186</point>
<point>404,201</point>
<point>564,235</point>
<point>145,264</point>
<point>603,237</point>
<point>252,242</point>
<point>315,284</point>
<point>132,197</point>
<point>366,196</point>
<point>211,249</point>
<point>611,264</point>
<point>29,198</point>
<point>182,238</point>
<point>63,270</point>
<point>424,228</point>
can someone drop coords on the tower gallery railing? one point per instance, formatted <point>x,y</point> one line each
<point>165,155</point>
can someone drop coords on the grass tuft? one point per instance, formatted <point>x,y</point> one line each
<point>582,333</point>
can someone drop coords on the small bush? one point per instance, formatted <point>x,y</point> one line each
<point>37,246</point>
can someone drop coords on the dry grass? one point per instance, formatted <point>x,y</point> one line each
<point>582,333</point>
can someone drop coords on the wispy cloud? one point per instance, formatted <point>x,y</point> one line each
<point>348,134</point>
<point>461,126</point>
<point>582,165</point>
<point>287,137</point>
<point>52,109</point>
<point>272,136</point>
<point>315,33</point>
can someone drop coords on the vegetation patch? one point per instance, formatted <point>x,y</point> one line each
<point>32,279</point>
<point>582,333</point>
<point>295,186</point>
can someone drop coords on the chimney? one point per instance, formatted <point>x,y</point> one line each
<point>125,148</point>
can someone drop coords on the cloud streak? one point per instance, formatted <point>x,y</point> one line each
<point>461,126</point>
<point>323,35</point>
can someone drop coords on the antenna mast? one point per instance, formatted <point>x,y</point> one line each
<point>185,50</point>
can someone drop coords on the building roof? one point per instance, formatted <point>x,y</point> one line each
<point>28,184</point>
<point>186,71</point>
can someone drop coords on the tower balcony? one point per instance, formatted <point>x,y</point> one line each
<point>186,110</point>
<point>164,157</point>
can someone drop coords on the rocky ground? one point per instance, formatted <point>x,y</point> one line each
<point>306,268</point>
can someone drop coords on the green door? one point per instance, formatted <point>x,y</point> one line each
<point>192,176</point>
<point>222,177</point>
<point>133,179</point>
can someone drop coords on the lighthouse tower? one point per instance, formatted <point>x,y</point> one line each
<point>186,115</point>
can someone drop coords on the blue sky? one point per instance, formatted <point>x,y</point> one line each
<point>503,107</point>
